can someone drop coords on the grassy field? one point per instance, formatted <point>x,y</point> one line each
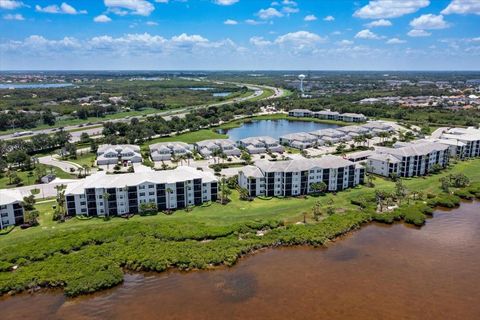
<point>85,159</point>
<point>27,181</point>
<point>88,255</point>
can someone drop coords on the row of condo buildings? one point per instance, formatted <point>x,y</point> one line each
<point>101,194</point>
<point>420,157</point>
<point>113,154</point>
<point>303,140</point>
<point>328,115</point>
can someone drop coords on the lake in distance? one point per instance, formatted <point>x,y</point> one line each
<point>274,128</point>
<point>378,272</point>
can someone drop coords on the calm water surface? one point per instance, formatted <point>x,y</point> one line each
<point>274,128</point>
<point>379,272</point>
<point>34,85</point>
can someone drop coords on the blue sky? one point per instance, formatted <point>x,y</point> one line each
<point>240,34</point>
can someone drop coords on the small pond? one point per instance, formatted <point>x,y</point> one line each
<point>273,128</point>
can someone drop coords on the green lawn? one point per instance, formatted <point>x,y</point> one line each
<point>85,159</point>
<point>27,181</point>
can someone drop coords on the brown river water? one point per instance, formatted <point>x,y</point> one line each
<point>378,272</point>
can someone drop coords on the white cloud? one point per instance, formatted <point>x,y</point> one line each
<point>289,3</point>
<point>329,18</point>
<point>10,4</point>
<point>230,22</point>
<point>395,41</point>
<point>64,8</point>
<point>123,7</point>
<point>260,42</point>
<point>300,40</point>
<point>377,9</point>
<point>379,23</point>
<point>475,39</point>
<point>367,34</point>
<point>345,43</point>
<point>151,23</point>
<point>463,7</point>
<point>429,21</point>
<point>225,2</point>
<point>269,13</point>
<point>418,33</point>
<point>310,17</point>
<point>185,38</point>
<point>102,18</point>
<point>16,16</point>
<point>289,10</point>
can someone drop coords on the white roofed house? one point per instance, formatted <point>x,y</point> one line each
<point>11,210</point>
<point>208,148</point>
<point>331,135</point>
<point>167,150</point>
<point>103,194</point>
<point>326,114</point>
<point>296,177</point>
<point>300,140</point>
<point>376,127</point>
<point>256,145</point>
<point>352,117</point>
<point>112,154</point>
<point>300,113</point>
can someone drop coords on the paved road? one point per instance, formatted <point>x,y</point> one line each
<point>63,165</point>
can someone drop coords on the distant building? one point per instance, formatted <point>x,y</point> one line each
<point>296,177</point>
<point>328,115</point>
<point>299,113</point>
<point>125,193</point>
<point>11,211</point>
<point>167,150</point>
<point>112,154</point>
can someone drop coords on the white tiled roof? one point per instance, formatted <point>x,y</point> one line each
<point>325,162</point>
<point>103,180</point>
<point>8,196</point>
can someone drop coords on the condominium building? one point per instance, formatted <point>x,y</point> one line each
<point>112,154</point>
<point>300,140</point>
<point>300,113</point>
<point>414,159</point>
<point>470,137</point>
<point>207,148</point>
<point>328,115</point>
<point>297,177</point>
<point>255,145</point>
<point>11,211</point>
<point>352,117</point>
<point>102,193</point>
<point>167,150</point>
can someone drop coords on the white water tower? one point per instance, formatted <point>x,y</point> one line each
<point>301,77</point>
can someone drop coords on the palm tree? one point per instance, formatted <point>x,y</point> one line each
<point>106,196</point>
<point>169,192</point>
